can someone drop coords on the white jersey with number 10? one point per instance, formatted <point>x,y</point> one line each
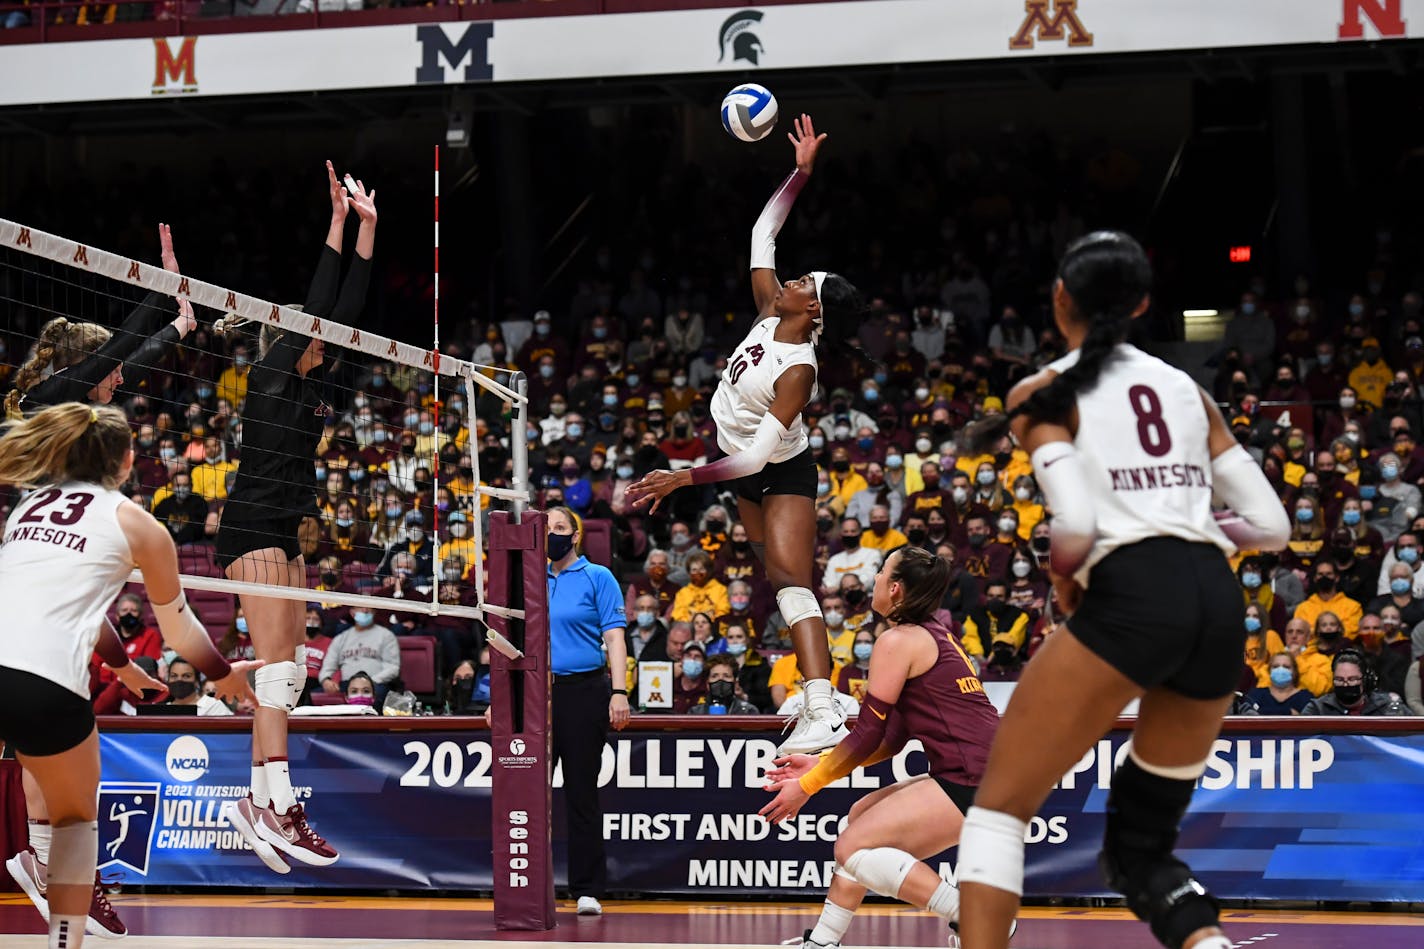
<point>748,387</point>
<point>1142,435</point>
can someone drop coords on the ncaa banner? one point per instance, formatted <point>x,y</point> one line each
<point>1276,816</point>
<point>736,39</point>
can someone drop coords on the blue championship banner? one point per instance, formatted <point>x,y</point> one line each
<point>1276,816</point>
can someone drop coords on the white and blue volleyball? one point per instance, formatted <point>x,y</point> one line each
<point>749,112</point>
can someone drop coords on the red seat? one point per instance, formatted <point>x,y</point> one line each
<point>418,664</point>
<point>362,575</point>
<point>198,560</point>
<point>313,575</point>
<point>598,541</point>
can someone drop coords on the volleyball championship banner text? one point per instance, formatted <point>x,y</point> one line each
<point>1275,817</point>
<point>737,39</point>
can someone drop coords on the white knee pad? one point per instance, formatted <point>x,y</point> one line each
<point>991,850</point>
<point>274,685</point>
<point>796,604</point>
<point>300,682</point>
<point>882,869</point>
<point>844,874</point>
<point>73,852</point>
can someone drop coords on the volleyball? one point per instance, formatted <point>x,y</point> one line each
<point>749,112</point>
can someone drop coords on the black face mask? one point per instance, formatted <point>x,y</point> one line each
<point>854,597</point>
<point>679,431</point>
<point>978,540</point>
<point>558,546</point>
<point>130,622</point>
<point>314,631</point>
<point>1325,585</point>
<point>824,524</point>
<point>721,692</point>
<point>917,535</point>
<point>840,467</point>
<point>182,689</point>
<point>716,527</point>
<point>331,579</point>
<point>879,527</point>
<point>1040,544</point>
<point>850,541</point>
<point>1349,694</point>
<point>931,482</point>
<point>407,449</point>
<point>741,546</point>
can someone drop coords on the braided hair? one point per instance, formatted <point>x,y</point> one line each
<point>61,343</point>
<point>1107,275</point>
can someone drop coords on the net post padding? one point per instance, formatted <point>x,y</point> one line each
<point>520,736</point>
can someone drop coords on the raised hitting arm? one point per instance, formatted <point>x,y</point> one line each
<point>763,252</point>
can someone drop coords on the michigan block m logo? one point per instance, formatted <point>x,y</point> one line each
<point>1062,20</point>
<point>435,46</point>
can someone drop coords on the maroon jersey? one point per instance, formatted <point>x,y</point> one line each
<point>947,710</point>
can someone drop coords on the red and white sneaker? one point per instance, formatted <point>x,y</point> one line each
<point>29,874</point>
<point>243,815</point>
<point>292,835</point>
<point>103,921</point>
<point>33,877</point>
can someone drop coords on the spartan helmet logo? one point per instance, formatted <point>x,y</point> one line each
<point>738,36</point>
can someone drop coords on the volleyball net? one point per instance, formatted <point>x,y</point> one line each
<point>415,448</point>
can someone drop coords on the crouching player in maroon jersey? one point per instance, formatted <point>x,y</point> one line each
<point>923,686</point>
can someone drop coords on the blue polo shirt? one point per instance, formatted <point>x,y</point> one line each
<point>584,603</point>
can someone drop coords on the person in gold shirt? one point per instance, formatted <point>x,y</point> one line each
<point>703,593</point>
<point>1371,374</point>
<point>1030,512</point>
<point>1326,598</point>
<point>460,544</point>
<point>1314,668</point>
<point>879,535</point>
<point>210,477</point>
<point>1262,643</point>
<point>846,482</point>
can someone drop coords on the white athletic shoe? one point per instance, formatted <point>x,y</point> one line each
<point>954,932</point>
<point>804,941</point>
<point>29,875</point>
<point>241,814</point>
<point>588,906</point>
<point>814,732</point>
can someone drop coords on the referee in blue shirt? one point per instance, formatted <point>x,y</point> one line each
<point>585,614</point>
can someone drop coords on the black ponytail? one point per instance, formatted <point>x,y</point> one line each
<point>1107,275</point>
<point>841,309</point>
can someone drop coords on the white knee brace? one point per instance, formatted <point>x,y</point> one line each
<point>274,685</point>
<point>844,874</point>
<point>882,869</point>
<point>796,604</point>
<point>300,682</point>
<point>73,852</point>
<point>991,850</point>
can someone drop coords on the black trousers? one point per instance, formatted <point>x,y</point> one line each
<point>580,729</point>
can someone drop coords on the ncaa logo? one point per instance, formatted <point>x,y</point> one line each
<point>516,746</point>
<point>128,813</point>
<point>187,758</point>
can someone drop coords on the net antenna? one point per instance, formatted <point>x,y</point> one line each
<point>134,273</point>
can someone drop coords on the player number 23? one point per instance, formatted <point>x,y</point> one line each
<point>74,509</point>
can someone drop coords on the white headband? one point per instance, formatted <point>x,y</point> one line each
<point>820,277</point>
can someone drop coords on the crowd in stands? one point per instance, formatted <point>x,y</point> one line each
<point>1321,387</point>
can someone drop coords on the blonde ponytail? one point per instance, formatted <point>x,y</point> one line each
<point>67,442</point>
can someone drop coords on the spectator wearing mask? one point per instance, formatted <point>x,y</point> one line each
<point>210,477</point>
<point>1281,693</point>
<point>364,647</point>
<point>1355,691</point>
<point>845,481</point>
<point>988,491</point>
<point>1396,634</point>
<point>1040,544</point>
<point>839,630</point>
<point>646,636</point>
<point>360,690</point>
<point>1397,502</point>
<point>317,643</point>
<point>1371,375</point>
<point>1390,667</point>
<point>723,690</point>
<point>1026,507</point>
<point>1257,592</point>
<point>1028,586</point>
<point>853,558</point>
<point>857,601</point>
<point>1411,462</point>
<point>879,535</point>
<point>460,544</point>
<point>690,679</point>
<point>877,494</point>
<point>232,384</point>
<point>1326,598</point>
<point>1335,489</point>
<point>1000,627</point>
<point>655,582</point>
<point>703,592</point>
<point>419,548</point>
<point>1262,643</point>
<point>182,512</point>
<point>185,688</point>
<point>974,555</point>
<point>236,643</point>
<point>962,595</point>
<point>1367,543</point>
<point>682,446</point>
<point>736,561</point>
<point>930,496</point>
<point>714,530</point>
<point>739,599</point>
<point>1312,666</point>
<point>1307,538</point>
<point>1252,333</point>
<point>753,673</point>
<point>681,545</point>
<point>138,639</point>
<point>854,676</point>
<point>1401,595</point>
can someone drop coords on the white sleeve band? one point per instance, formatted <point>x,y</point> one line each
<point>1257,520</point>
<point>769,435</point>
<point>768,225</point>
<point>1061,477</point>
<point>182,631</point>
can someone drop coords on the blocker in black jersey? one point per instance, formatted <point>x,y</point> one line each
<point>138,344</point>
<point>282,422</point>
